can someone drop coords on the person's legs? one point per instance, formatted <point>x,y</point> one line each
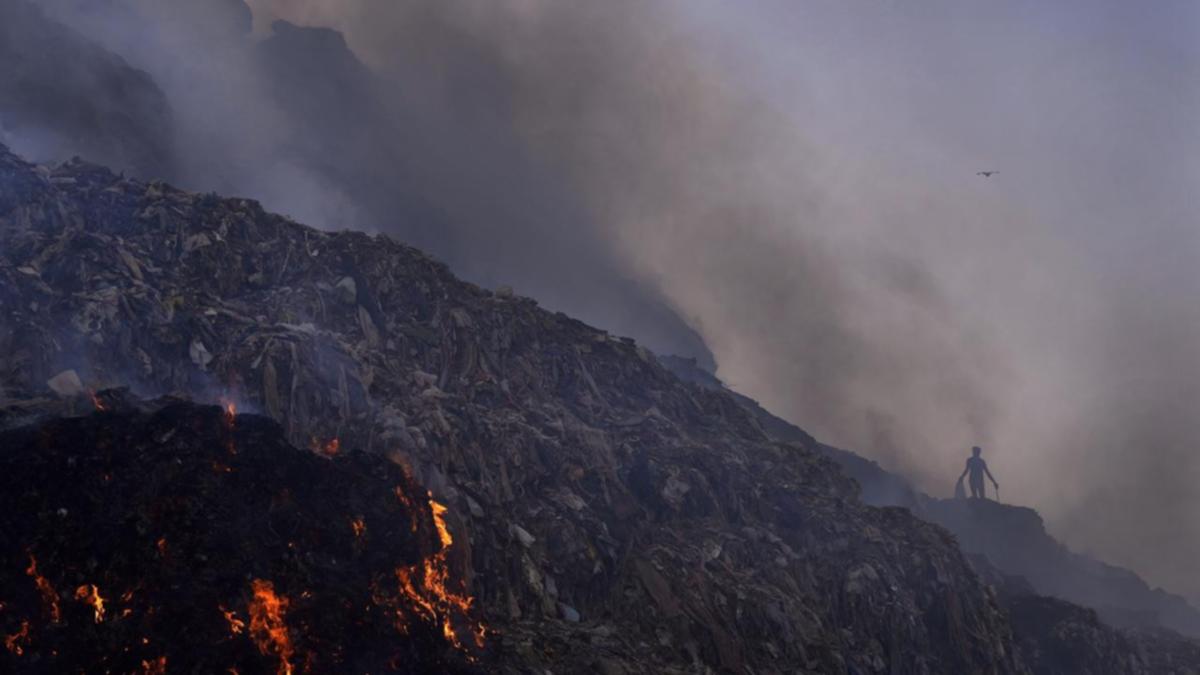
<point>977,490</point>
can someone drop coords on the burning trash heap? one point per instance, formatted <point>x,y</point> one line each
<point>593,512</point>
<point>182,538</point>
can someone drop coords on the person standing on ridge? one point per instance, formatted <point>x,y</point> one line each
<point>976,467</point>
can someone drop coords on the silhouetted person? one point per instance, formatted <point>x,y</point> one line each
<point>976,467</point>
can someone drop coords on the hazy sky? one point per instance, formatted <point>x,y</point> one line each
<point>1071,277</point>
<point>796,179</point>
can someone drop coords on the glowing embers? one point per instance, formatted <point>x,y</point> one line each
<point>236,625</point>
<point>17,641</point>
<point>359,526</point>
<point>154,666</point>
<point>428,588</point>
<point>229,409</point>
<point>91,595</point>
<point>126,598</point>
<point>329,449</point>
<point>405,501</point>
<point>267,628</point>
<point>49,595</point>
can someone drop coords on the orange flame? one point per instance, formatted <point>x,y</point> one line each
<point>125,598</point>
<point>408,506</point>
<point>402,497</point>
<point>267,625</point>
<point>432,596</point>
<point>230,410</point>
<point>331,448</point>
<point>91,595</point>
<point>236,625</point>
<point>49,596</point>
<point>359,527</point>
<point>439,520</point>
<point>13,642</point>
<point>97,403</point>
<point>156,667</point>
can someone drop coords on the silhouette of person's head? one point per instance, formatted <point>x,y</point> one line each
<point>976,450</point>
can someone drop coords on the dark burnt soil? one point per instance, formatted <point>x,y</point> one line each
<point>214,547</point>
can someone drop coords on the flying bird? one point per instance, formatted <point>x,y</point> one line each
<point>987,174</point>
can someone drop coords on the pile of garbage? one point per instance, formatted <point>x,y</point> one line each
<point>1056,636</point>
<point>1013,539</point>
<point>185,538</point>
<point>606,516</point>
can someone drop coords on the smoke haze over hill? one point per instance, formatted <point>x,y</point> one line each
<point>794,182</point>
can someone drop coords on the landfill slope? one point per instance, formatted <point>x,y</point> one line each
<point>1011,538</point>
<point>1014,539</point>
<point>1059,637</point>
<point>608,517</point>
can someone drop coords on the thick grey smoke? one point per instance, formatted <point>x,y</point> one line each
<point>1059,324</point>
<point>794,179</point>
<point>292,116</point>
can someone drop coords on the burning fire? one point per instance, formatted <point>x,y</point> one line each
<point>267,625</point>
<point>330,448</point>
<point>359,527</point>
<point>125,598</point>
<point>408,506</point>
<point>91,595</point>
<point>13,642</point>
<point>402,497</point>
<point>97,403</point>
<point>49,595</point>
<point>439,520</point>
<point>230,409</point>
<point>156,667</point>
<point>427,586</point>
<point>236,625</point>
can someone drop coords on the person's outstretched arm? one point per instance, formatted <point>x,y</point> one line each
<point>989,474</point>
<point>965,470</point>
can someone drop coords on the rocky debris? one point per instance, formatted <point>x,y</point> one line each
<point>1010,538</point>
<point>1014,539</point>
<point>608,516</point>
<point>1058,637</point>
<point>194,540</point>
<point>878,486</point>
<point>66,384</point>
